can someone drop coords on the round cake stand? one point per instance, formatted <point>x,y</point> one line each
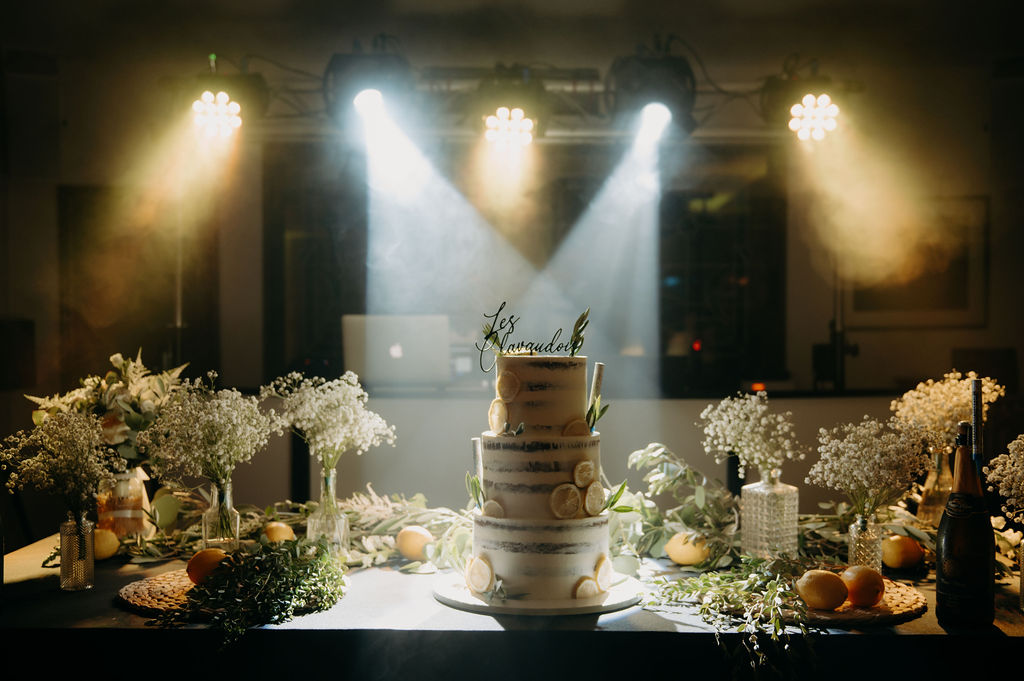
<point>453,592</point>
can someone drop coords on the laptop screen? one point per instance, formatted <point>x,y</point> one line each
<point>397,350</point>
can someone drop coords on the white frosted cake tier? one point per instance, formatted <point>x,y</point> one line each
<point>520,473</point>
<point>541,559</point>
<point>545,394</point>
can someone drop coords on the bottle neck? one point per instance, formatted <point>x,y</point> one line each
<point>965,474</point>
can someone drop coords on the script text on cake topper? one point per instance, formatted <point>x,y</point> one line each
<point>497,332</point>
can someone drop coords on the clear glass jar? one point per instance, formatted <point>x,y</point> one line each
<point>328,520</point>
<point>768,517</point>
<point>221,522</point>
<point>77,559</point>
<point>864,543</point>
<point>120,505</point>
<point>936,490</point>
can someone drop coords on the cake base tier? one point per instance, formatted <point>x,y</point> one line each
<point>625,592</point>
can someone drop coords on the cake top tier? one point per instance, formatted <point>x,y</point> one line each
<point>546,394</point>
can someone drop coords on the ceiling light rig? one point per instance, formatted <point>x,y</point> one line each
<point>813,117</point>
<point>509,128</point>
<point>652,75</point>
<point>216,115</point>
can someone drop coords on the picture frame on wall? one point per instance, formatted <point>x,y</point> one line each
<point>951,293</point>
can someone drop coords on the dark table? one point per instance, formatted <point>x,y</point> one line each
<point>389,626</point>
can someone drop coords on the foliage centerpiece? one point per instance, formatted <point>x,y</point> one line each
<point>331,416</point>
<point>1005,475</point>
<point>206,432</point>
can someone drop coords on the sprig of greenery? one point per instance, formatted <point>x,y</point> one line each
<point>267,584</point>
<point>576,340</point>
<point>508,432</point>
<point>755,597</point>
<point>704,507</point>
<point>475,491</point>
<point>595,412</point>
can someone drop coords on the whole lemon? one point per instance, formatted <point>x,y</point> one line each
<point>686,549</point>
<point>105,543</point>
<point>277,531</point>
<point>899,551</point>
<point>821,589</point>
<point>203,563</point>
<point>864,584</point>
<point>412,541</point>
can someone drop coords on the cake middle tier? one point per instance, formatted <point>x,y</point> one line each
<point>521,473</point>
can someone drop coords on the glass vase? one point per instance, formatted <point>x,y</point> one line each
<point>328,521</point>
<point>77,560</point>
<point>864,543</point>
<point>221,522</point>
<point>121,505</point>
<point>768,516</point>
<point>936,490</point>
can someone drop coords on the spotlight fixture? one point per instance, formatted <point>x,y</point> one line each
<point>368,101</point>
<point>501,101</point>
<point>509,128</point>
<point>813,117</point>
<point>636,81</point>
<point>654,118</point>
<point>348,75</point>
<point>216,115</point>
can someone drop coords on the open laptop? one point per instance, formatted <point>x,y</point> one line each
<point>397,351</point>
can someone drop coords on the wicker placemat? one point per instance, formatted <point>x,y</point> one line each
<point>153,595</point>
<point>901,603</point>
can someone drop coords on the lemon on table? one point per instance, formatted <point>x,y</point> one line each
<point>203,563</point>
<point>899,551</point>
<point>277,531</point>
<point>105,543</point>
<point>865,585</point>
<point>686,549</point>
<point>821,589</point>
<point>412,541</point>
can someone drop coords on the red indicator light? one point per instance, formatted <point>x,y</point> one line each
<point>758,386</point>
<point>697,345</point>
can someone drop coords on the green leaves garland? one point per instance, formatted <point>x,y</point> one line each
<point>266,584</point>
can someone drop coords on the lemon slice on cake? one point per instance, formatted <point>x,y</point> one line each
<point>497,415</point>
<point>565,500</point>
<point>604,573</point>
<point>479,575</point>
<point>493,509</point>
<point>507,386</point>
<point>576,427</point>
<point>593,499</point>
<point>584,473</point>
<point>586,588</point>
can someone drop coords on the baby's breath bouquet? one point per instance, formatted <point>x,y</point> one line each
<point>873,463</point>
<point>936,407</point>
<point>1005,475</point>
<point>745,426</point>
<point>66,455</point>
<point>206,432</point>
<point>331,416</point>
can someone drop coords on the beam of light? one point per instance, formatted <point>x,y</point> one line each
<point>869,214</point>
<point>609,262</point>
<point>654,118</point>
<point>813,117</point>
<point>215,115</point>
<point>429,250</point>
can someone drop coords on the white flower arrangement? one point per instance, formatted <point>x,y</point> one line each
<point>127,399</point>
<point>1005,475</point>
<point>936,407</point>
<point>65,455</point>
<point>873,463</point>
<point>206,432</point>
<point>331,416</point>
<point>745,426</point>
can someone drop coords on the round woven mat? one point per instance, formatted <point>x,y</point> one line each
<point>167,591</point>
<point>901,603</point>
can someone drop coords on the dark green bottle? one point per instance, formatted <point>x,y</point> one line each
<point>965,548</point>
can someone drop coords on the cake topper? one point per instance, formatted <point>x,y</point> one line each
<point>498,329</point>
